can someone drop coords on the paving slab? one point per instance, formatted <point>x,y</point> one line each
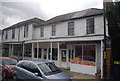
<point>75,75</point>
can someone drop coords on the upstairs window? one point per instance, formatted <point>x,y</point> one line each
<point>13,33</point>
<point>90,26</point>
<point>6,35</point>
<point>25,30</point>
<point>70,28</point>
<point>2,34</point>
<point>42,32</point>
<point>53,30</point>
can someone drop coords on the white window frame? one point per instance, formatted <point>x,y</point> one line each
<point>90,26</point>
<point>53,30</point>
<point>71,28</point>
<point>26,28</point>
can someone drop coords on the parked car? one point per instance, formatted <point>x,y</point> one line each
<point>7,66</point>
<point>37,70</point>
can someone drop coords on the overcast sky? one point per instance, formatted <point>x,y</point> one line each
<point>14,11</point>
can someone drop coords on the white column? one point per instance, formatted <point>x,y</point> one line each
<point>37,49</point>
<point>47,53</point>
<point>32,50</point>
<point>67,57</point>
<point>101,60</point>
<point>9,50</point>
<point>23,52</point>
<point>58,45</point>
<point>51,52</point>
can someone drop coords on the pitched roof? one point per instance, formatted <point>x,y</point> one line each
<point>33,20</point>
<point>76,15</point>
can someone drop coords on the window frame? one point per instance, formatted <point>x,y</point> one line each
<point>26,28</point>
<point>13,33</point>
<point>71,28</point>
<point>41,31</point>
<point>90,26</point>
<point>53,30</point>
<point>6,35</point>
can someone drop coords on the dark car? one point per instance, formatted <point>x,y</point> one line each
<point>7,66</point>
<point>37,70</point>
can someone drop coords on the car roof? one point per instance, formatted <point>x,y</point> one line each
<point>6,57</point>
<point>35,61</point>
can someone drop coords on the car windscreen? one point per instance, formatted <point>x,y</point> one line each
<point>49,68</point>
<point>9,61</point>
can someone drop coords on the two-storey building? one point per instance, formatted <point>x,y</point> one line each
<point>72,40</point>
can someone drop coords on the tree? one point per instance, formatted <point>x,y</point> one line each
<point>113,17</point>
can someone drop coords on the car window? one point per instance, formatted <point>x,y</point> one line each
<point>49,68</point>
<point>33,68</point>
<point>9,61</point>
<point>26,65</point>
<point>20,64</point>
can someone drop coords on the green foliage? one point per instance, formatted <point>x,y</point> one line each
<point>113,17</point>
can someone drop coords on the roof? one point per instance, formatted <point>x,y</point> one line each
<point>33,20</point>
<point>75,15</point>
<point>35,61</point>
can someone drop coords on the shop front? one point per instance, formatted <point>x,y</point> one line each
<point>77,56</point>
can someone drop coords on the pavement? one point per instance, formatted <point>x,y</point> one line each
<point>75,75</point>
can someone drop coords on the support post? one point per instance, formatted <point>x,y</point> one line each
<point>32,50</point>
<point>58,45</point>
<point>101,60</point>
<point>51,52</point>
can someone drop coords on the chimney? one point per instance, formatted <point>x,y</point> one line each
<point>107,4</point>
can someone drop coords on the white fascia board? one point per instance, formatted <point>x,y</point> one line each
<point>93,38</point>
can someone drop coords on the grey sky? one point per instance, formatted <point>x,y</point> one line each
<point>14,12</point>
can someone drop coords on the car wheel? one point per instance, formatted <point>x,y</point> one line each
<point>15,78</point>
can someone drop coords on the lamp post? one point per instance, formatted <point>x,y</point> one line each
<point>104,52</point>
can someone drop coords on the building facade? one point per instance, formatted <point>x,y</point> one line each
<point>73,40</point>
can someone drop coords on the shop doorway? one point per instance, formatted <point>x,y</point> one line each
<point>66,56</point>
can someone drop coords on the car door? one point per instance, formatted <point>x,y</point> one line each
<point>22,71</point>
<point>34,72</point>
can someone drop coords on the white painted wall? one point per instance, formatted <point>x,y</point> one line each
<point>62,28</point>
<point>10,35</point>
<point>30,33</point>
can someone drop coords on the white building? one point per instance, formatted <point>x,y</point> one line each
<point>73,40</point>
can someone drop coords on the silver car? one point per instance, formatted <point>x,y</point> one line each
<point>38,70</point>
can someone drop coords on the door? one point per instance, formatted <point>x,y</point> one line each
<point>63,58</point>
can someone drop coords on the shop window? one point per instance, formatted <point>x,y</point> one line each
<point>85,54</point>
<point>45,54</point>
<point>78,51</point>
<point>54,54</point>
<point>71,55</point>
<point>89,52</point>
<point>63,55</point>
